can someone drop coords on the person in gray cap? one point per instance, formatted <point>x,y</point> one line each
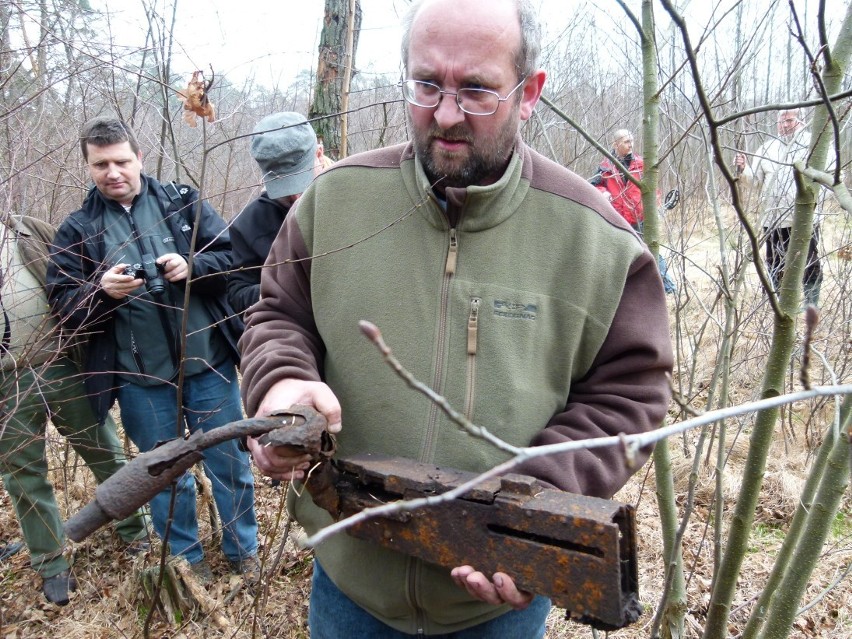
<point>285,148</point>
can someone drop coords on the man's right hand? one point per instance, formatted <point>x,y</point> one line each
<point>118,285</point>
<point>282,462</point>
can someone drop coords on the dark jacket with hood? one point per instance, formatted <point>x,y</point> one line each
<point>252,234</point>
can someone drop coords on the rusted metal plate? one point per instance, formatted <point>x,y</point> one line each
<point>580,551</point>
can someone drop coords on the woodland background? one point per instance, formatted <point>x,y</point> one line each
<point>749,511</point>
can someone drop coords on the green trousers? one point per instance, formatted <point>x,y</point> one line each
<point>30,397</point>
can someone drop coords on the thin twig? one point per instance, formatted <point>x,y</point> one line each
<point>827,590</point>
<point>630,444</point>
<point>375,335</point>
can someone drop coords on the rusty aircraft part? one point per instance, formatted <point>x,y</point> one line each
<point>312,438</point>
<point>579,551</point>
<point>309,436</point>
<point>149,473</point>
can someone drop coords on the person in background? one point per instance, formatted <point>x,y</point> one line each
<point>772,169</point>
<point>285,148</point>
<point>40,382</point>
<point>323,161</point>
<point>118,273</point>
<point>624,195</point>
<point>497,276</point>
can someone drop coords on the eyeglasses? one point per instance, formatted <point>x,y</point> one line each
<point>472,101</point>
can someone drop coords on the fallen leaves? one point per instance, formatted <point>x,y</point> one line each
<point>195,100</point>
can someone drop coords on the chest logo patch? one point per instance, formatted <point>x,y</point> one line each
<point>515,310</point>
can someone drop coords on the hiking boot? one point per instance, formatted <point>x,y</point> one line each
<point>56,588</point>
<point>202,572</point>
<point>248,569</point>
<point>7,550</point>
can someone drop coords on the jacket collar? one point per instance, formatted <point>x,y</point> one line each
<point>16,225</point>
<point>472,208</point>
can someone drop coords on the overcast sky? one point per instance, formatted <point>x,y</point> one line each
<point>272,41</point>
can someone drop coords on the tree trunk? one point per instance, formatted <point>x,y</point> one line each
<point>674,601</point>
<point>332,75</point>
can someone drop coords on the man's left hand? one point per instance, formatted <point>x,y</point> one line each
<point>174,266</point>
<point>498,590</point>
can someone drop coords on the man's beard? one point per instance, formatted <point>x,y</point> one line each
<point>485,159</point>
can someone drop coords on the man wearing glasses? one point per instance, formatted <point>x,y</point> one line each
<point>500,279</point>
<point>772,169</point>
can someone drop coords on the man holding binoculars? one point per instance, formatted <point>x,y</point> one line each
<point>117,279</point>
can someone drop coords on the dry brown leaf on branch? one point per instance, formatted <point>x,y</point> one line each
<point>195,100</point>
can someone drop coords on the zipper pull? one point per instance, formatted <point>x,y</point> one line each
<point>472,326</point>
<point>452,254</point>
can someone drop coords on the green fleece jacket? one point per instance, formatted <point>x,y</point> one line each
<point>529,304</point>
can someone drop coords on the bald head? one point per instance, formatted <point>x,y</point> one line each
<point>620,135</point>
<point>622,143</point>
<point>526,54</point>
<point>465,53</point>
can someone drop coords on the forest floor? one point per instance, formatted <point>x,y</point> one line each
<point>110,600</point>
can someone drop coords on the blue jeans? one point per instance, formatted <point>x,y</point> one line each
<point>333,615</point>
<point>210,399</point>
<point>668,282</point>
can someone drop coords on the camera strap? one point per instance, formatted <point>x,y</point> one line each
<point>7,330</point>
<point>134,350</point>
<point>178,204</point>
<point>168,327</point>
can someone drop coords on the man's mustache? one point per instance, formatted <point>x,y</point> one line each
<point>457,133</point>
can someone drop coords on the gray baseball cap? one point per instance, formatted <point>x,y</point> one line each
<point>284,150</point>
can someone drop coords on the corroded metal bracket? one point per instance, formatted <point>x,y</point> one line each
<point>580,551</point>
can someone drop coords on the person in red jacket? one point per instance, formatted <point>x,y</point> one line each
<point>624,195</point>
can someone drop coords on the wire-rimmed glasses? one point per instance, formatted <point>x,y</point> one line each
<point>428,95</point>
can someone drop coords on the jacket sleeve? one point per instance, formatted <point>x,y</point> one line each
<point>73,282</point>
<point>281,340</point>
<point>626,391</point>
<point>753,171</point>
<point>35,246</point>
<point>243,285</point>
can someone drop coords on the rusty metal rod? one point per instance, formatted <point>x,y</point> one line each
<point>150,472</point>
